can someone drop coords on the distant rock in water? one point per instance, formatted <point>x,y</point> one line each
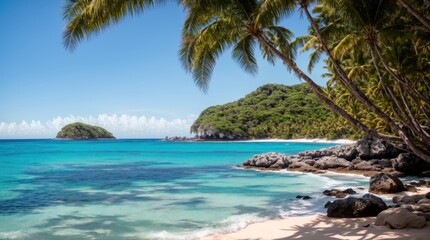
<point>82,131</point>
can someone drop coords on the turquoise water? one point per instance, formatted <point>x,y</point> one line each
<point>147,189</point>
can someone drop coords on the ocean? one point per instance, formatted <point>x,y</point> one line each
<point>149,189</point>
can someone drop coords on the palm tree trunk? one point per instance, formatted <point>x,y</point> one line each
<point>320,95</point>
<point>343,76</point>
<point>360,95</point>
<point>416,14</point>
<point>408,119</point>
<point>402,81</point>
<point>423,154</point>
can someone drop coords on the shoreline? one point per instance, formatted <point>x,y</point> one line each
<point>304,140</point>
<point>318,226</point>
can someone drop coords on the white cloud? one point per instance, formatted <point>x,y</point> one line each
<point>121,126</point>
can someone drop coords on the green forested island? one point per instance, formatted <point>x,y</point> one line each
<point>82,131</point>
<point>275,111</point>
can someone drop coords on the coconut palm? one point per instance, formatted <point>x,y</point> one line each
<point>214,26</point>
<point>365,21</point>
<point>210,29</point>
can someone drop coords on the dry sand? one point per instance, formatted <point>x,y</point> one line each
<point>320,227</point>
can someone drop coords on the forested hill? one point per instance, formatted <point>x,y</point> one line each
<point>275,111</point>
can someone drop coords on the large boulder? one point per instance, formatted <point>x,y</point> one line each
<point>400,218</point>
<point>332,162</point>
<point>266,160</point>
<point>369,148</point>
<point>385,183</point>
<point>367,206</point>
<point>409,164</point>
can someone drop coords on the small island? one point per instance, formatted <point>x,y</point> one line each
<point>82,131</point>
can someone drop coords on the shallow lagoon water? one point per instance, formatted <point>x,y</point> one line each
<point>148,189</point>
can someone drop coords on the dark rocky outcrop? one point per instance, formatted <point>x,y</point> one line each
<point>409,164</point>
<point>366,156</point>
<point>303,197</point>
<point>339,193</point>
<point>82,131</point>
<point>367,206</point>
<point>385,183</point>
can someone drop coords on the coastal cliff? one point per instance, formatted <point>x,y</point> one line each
<point>81,131</point>
<point>271,111</point>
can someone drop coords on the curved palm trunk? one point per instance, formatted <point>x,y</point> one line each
<point>320,95</point>
<point>360,95</point>
<point>402,81</point>
<point>416,14</point>
<point>343,76</point>
<point>410,120</point>
<point>423,154</point>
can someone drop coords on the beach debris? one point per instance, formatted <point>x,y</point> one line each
<point>400,218</point>
<point>385,183</point>
<point>367,206</point>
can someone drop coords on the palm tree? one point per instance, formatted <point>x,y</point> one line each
<point>214,26</point>
<point>367,18</point>
<point>211,29</point>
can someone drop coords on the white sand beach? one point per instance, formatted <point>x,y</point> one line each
<point>320,227</point>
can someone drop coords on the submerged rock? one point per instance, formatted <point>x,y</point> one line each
<point>385,183</point>
<point>367,206</point>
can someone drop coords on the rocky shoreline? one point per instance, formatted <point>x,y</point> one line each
<point>382,160</point>
<point>366,156</point>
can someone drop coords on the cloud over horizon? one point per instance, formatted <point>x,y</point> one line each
<point>122,126</point>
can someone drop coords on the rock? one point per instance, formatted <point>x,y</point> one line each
<point>339,193</point>
<point>400,218</point>
<point>327,204</point>
<point>375,149</point>
<point>408,199</point>
<point>424,200</point>
<point>267,160</point>
<point>426,215</point>
<point>410,164</point>
<point>356,161</point>
<point>349,191</point>
<point>367,206</point>
<point>385,183</point>
<point>303,197</point>
<point>410,188</point>
<point>332,162</point>
<point>424,207</point>
<point>428,195</point>
<point>364,166</point>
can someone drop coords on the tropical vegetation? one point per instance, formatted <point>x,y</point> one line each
<point>377,52</point>
<point>272,111</point>
<point>81,131</point>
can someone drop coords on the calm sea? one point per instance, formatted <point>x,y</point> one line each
<point>147,189</point>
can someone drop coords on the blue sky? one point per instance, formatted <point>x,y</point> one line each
<point>128,78</point>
